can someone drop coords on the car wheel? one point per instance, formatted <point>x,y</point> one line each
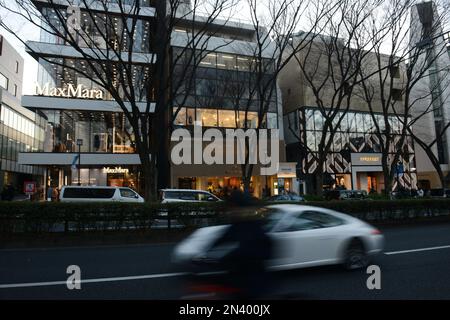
<point>355,256</point>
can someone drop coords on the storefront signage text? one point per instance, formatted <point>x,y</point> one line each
<point>369,159</point>
<point>115,170</point>
<point>70,91</point>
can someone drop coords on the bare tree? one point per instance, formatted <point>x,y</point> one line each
<point>329,68</point>
<point>119,43</point>
<point>391,84</point>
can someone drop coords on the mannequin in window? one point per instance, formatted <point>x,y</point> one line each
<point>96,142</point>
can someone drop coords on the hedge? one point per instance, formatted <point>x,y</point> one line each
<point>41,217</point>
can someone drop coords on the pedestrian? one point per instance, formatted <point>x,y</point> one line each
<point>420,193</point>
<point>247,262</point>
<point>10,192</point>
<point>49,193</point>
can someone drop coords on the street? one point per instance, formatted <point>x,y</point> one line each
<point>415,265</point>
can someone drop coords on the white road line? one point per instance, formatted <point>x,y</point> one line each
<point>56,283</point>
<point>163,275</point>
<point>417,250</point>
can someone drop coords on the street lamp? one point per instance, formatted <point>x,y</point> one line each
<point>79,144</point>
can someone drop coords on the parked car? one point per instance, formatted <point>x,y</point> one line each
<point>98,194</point>
<point>290,197</point>
<point>186,195</point>
<point>439,193</point>
<point>345,194</point>
<point>303,236</point>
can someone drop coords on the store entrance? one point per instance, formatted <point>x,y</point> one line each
<point>372,183</point>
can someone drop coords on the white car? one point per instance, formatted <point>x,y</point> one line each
<point>98,194</point>
<point>186,195</point>
<point>304,236</point>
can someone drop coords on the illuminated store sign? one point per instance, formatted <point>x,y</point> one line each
<point>369,159</point>
<point>366,159</point>
<point>115,170</point>
<point>70,91</point>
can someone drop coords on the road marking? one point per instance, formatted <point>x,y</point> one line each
<point>56,283</point>
<point>88,247</point>
<point>417,250</point>
<point>164,275</point>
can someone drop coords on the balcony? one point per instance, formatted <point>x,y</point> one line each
<point>98,6</point>
<point>40,49</point>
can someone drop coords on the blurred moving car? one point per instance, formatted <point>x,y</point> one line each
<point>290,197</point>
<point>345,194</point>
<point>303,236</point>
<point>186,195</point>
<point>98,194</point>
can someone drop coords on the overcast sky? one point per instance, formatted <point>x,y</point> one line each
<point>26,31</point>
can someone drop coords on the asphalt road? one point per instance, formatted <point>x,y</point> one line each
<point>415,265</point>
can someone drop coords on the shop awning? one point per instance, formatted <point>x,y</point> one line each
<point>87,159</point>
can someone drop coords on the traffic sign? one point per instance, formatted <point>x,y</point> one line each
<point>29,187</point>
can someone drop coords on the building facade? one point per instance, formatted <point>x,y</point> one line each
<point>75,108</point>
<point>354,157</point>
<point>431,126</point>
<point>223,97</point>
<point>81,121</point>
<point>20,129</point>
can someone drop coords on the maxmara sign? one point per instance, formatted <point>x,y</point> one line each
<point>70,91</point>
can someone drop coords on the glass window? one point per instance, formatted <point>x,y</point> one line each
<point>299,224</point>
<point>208,117</point>
<point>252,119</point>
<point>226,61</point>
<point>359,122</point>
<point>318,120</point>
<point>380,122</point>
<point>186,195</point>
<point>243,63</point>
<point>190,116</point>
<point>368,123</point>
<point>205,87</point>
<point>351,122</point>
<point>323,219</point>
<point>309,119</point>
<point>127,193</point>
<point>209,60</point>
<point>272,120</point>
<point>311,140</point>
<point>337,142</point>
<point>3,82</point>
<point>227,118</point>
<point>344,122</point>
<point>180,119</point>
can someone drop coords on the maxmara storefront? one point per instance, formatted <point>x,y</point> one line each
<point>79,130</point>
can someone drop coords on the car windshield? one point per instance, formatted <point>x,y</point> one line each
<point>271,218</point>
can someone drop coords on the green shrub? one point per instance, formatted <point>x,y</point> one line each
<point>42,217</point>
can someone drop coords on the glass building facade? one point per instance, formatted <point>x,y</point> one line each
<point>19,133</point>
<point>354,158</point>
<point>222,81</point>
<point>105,132</point>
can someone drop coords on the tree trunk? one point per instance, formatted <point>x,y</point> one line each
<point>160,124</point>
<point>318,178</point>
<point>148,172</point>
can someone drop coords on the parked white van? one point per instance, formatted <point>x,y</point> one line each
<point>186,195</point>
<point>98,194</point>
